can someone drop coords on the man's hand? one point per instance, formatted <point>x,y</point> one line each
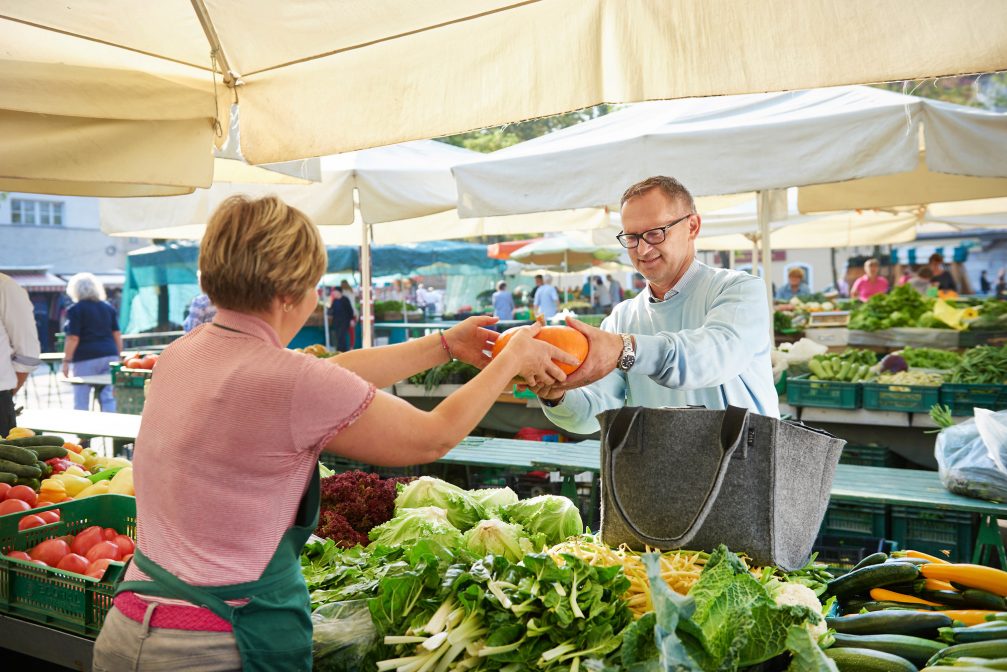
<point>66,369</point>
<point>604,351</point>
<point>469,339</point>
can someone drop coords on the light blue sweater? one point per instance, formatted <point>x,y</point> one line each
<point>707,344</point>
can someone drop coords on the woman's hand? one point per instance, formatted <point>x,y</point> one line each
<point>469,340</point>
<point>535,359</point>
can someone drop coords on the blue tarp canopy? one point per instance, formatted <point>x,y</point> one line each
<point>171,267</point>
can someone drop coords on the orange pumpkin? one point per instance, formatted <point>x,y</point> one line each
<point>565,338</point>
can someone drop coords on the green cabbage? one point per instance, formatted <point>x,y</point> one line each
<point>462,509</point>
<point>410,525</point>
<point>554,518</point>
<point>494,499</point>
<point>495,537</point>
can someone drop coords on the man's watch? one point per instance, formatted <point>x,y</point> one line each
<point>628,357</point>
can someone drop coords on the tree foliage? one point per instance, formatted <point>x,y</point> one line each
<point>988,91</point>
<point>497,137</point>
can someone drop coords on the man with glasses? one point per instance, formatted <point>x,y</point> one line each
<point>694,336</point>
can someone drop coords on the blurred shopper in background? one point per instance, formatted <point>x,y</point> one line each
<point>93,339</point>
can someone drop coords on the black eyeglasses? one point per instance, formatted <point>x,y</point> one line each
<point>650,236</point>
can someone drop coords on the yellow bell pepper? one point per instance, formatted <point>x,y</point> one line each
<point>122,483</point>
<point>20,433</point>
<point>74,457</point>
<point>74,484</point>
<point>76,471</point>
<point>99,488</point>
<point>51,490</point>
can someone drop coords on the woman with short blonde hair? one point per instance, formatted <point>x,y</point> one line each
<point>93,340</point>
<point>226,460</point>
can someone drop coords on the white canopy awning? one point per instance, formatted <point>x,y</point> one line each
<point>136,96</point>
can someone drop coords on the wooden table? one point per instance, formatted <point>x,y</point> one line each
<point>120,427</point>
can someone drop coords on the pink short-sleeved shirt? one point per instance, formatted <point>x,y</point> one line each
<point>863,288</point>
<point>232,426</point>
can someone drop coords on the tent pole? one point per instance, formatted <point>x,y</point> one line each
<point>325,315</point>
<point>366,306</point>
<point>755,255</point>
<point>763,210</point>
<point>566,269</point>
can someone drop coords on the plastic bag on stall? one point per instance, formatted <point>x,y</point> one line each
<point>343,636</point>
<point>972,456</point>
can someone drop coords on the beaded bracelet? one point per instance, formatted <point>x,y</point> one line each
<point>444,344</point>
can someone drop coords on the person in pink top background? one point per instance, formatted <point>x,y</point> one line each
<point>226,459</point>
<point>871,283</point>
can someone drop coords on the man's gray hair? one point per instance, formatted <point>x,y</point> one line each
<point>669,186</point>
<point>547,279</point>
<point>85,287</point>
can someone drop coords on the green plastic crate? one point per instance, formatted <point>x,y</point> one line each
<point>962,397</point>
<point>123,377</point>
<point>934,531</point>
<point>62,600</point>
<point>866,456</point>
<point>907,398</point>
<point>129,400</point>
<point>801,391</point>
<point>855,520</point>
<point>781,384</point>
<point>841,554</point>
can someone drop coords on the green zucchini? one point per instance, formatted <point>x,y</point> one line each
<point>919,562</point>
<point>872,559</point>
<point>49,452</point>
<point>868,660</point>
<point>33,441</point>
<point>883,605</point>
<point>980,599</point>
<point>24,470</point>
<point>18,455</point>
<point>914,649</point>
<point>951,598</point>
<point>861,581</point>
<point>994,648</point>
<point>972,665</point>
<point>7,478</point>
<point>975,633</point>
<point>891,622</point>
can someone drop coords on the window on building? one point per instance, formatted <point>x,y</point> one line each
<point>33,213</point>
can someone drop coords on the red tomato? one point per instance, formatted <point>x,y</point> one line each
<point>28,522</point>
<point>103,549</point>
<point>109,534</point>
<point>148,361</point>
<point>19,555</point>
<point>24,493</point>
<point>83,542</point>
<point>13,506</point>
<point>4,488</point>
<point>134,363</point>
<point>73,563</point>
<point>50,551</point>
<point>50,516</point>
<point>125,545</point>
<point>97,568</point>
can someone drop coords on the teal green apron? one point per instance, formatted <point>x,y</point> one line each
<point>273,630</point>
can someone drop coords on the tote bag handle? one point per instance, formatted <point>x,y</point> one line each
<point>732,429</point>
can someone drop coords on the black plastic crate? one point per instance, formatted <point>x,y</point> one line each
<point>853,519</point>
<point>935,531</point>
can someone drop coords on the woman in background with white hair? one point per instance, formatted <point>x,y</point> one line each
<point>93,339</point>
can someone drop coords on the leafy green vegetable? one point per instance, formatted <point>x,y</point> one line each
<point>494,499</point>
<point>409,525</point>
<point>455,372</point>
<point>808,656</point>
<point>463,511</point>
<point>983,364</point>
<point>495,537</point>
<point>931,358</point>
<point>902,307</point>
<point>554,517</point>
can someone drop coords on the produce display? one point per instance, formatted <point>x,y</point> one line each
<point>902,307</point>
<point>851,366</point>
<point>930,358</point>
<point>87,553</point>
<point>455,372</point>
<point>915,611</point>
<point>140,361</point>
<point>317,350</point>
<point>983,364</point>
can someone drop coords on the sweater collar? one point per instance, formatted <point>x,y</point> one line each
<point>680,286</point>
<point>248,324</point>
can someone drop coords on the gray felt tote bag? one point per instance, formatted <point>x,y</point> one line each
<point>695,478</point>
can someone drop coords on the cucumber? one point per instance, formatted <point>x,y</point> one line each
<point>872,559</point>
<point>7,478</point>
<point>874,576</point>
<point>891,622</point>
<point>868,660</point>
<point>18,455</point>
<point>22,470</point>
<point>914,649</point>
<point>33,441</point>
<point>32,483</point>
<point>975,633</point>
<point>994,648</point>
<point>44,468</point>
<point>49,452</point>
